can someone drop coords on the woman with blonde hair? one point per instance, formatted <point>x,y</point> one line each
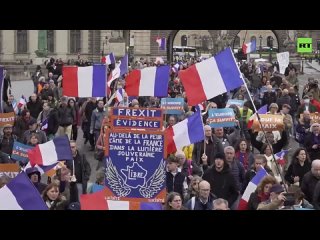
<point>193,189</point>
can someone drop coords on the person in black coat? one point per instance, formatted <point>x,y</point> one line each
<point>312,142</point>
<point>53,124</point>
<point>34,106</point>
<point>300,165</point>
<point>269,97</point>
<point>35,177</point>
<point>175,180</point>
<point>212,147</point>
<point>221,180</point>
<point>6,86</point>
<point>310,180</point>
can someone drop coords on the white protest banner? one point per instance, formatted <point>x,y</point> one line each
<point>283,60</point>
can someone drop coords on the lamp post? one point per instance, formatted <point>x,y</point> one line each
<point>104,43</point>
<point>270,49</point>
<point>260,47</point>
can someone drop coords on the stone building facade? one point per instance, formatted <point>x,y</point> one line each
<point>21,45</point>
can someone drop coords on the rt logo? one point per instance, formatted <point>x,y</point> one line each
<point>304,45</point>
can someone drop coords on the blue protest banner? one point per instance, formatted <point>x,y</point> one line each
<point>223,117</point>
<point>135,165</point>
<point>20,151</point>
<point>136,123</point>
<point>137,112</point>
<point>136,118</point>
<point>236,102</point>
<point>172,105</point>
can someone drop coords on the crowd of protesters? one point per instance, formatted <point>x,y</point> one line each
<point>211,174</point>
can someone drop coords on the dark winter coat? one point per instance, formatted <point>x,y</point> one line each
<point>223,184</point>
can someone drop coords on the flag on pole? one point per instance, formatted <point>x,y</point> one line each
<point>22,102</point>
<point>21,194</point>
<point>252,186</point>
<point>84,81</point>
<point>150,81</point>
<point>212,77</point>
<point>187,131</point>
<point>249,47</point>
<point>119,95</point>
<point>280,157</point>
<point>109,59</point>
<point>162,43</point>
<point>51,152</point>
<point>120,69</point>
<point>200,107</point>
<point>124,65</point>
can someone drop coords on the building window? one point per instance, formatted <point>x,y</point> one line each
<point>253,38</point>
<point>75,36</point>
<point>22,41</point>
<point>184,40</point>
<point>269,41</point>
<point>50,40</point>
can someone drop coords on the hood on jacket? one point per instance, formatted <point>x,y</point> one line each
<point>33,170</point>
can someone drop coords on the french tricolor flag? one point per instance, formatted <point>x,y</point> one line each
<point>176,67</point>
<point>162,43</point>
<point>84,81</point>
<point>211,77</point>
<point>109,59</point>
<point>249,47</point>
<point>252,186</point>
<point>119,95</point>
<point>21,194</point>
<point>51,152</point>
<point>280,157</point>
<point>150,81</point>
<point>22,102</point>
<point>187,131</point>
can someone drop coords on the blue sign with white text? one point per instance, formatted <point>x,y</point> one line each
<point>136,112</point>
<point>238,103</point>
<point>172,105</point>
<point>136,123</point>
<point>222,117</point>
<point>135,165</point>
<point>20,152</point>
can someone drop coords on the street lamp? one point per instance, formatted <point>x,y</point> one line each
<point>127,52</point>
<point>270,48</point>
<point>104,43</point>
<point>260,47</point>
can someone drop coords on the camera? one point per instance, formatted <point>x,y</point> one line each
<point>290,199</point>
